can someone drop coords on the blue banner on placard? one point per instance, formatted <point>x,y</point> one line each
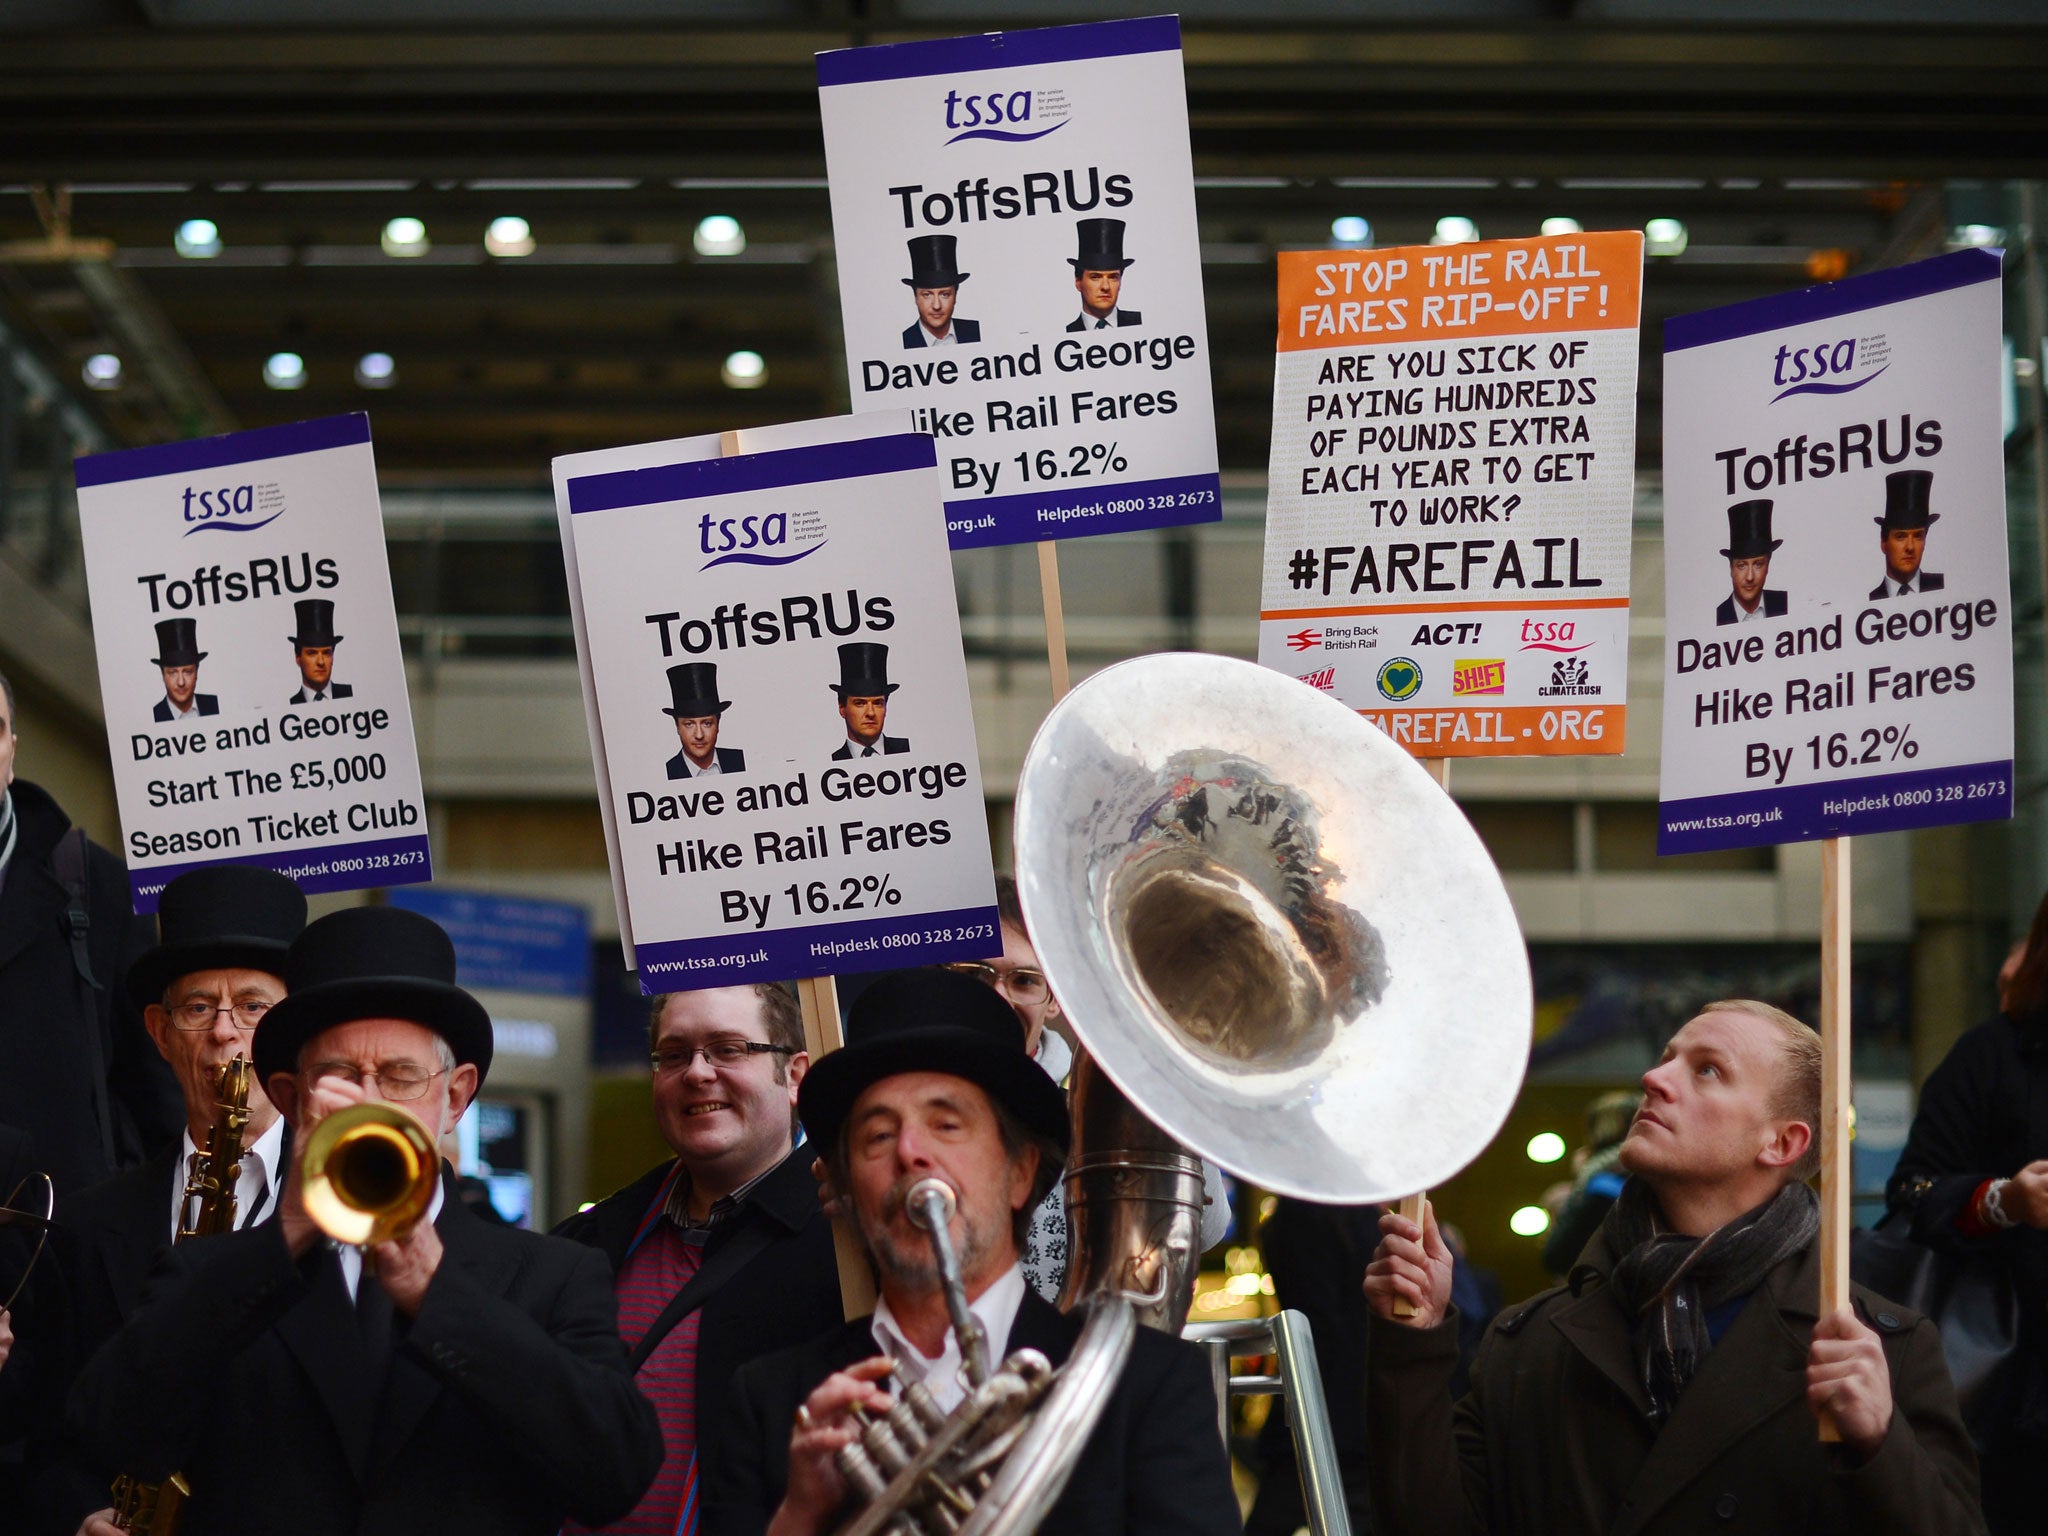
<point>883,944</point>
<point>1069,514</point>
<point>346,867</point>
<point>509,943</point>
<point>1802,812</point>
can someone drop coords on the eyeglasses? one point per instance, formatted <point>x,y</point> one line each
<point>198,1016</point>
<point>1021,984</point>
<point>720,1053</point>
<point>399,1083</point>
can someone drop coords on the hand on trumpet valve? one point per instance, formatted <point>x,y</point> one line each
<point>1411,1264</point>
<point>824,1423</point>
<point>323,1098</point>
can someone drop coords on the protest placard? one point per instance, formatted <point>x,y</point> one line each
<point>1451,485</point>
<point>249,661</point>
<point>781,697</point>
<point>1838,651</point>
<point>1019,265</point>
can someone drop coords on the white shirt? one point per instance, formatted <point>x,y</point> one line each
<point>691,770</point>
<point>187,712</point>
<point>1108,322</point>
<point>946,1378</point>
<point>950,339</point>
<point>256,1189</point>
<point>316,696</point>
<point>1749,615</point>
<point>864,748</point>
<point>352,1257</point>
<point>1900,588</point>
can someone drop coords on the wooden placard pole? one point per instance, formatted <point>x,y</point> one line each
<point>1836,1167</point>
<point>1413,1206</point>
<point>1055,616</point>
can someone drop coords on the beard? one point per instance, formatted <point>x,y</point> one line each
<point>907,1258</point>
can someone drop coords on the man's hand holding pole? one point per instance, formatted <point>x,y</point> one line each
<point>1411,1264</point>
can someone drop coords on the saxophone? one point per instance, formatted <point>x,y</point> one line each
<point>151,1509</point>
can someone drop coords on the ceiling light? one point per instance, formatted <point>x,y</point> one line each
<point>744,370</point>
<point>1454,229</point>
<point>197,239</point>
<point>509,236</point>
<point>284,370</point>
<point>1529,1221</point>
<point>719,234</point>
<point>1546,1147</point>
<point>1977,236</point>
<point>1562,226</point>
<point>376,370</point>
<point>102,371</point>
<point>1664,237</point>
<point>1351,230</point>
<point>405,236</point>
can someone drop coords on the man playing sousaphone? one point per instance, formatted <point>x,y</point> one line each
<point>202,990</point>
<point>934,1082</point>
<point>454,1376</point>
<point>1673,1383</point>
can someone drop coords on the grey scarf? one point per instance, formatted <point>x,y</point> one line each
<point>8,830</point>
<point>1668,1282</point>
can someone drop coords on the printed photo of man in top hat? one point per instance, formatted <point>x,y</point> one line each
<point>313,649</point>
<point>178,657</point>
<point>864,690</point>
<point>934,281</point>
<point>695,707</point>
<point>1099,268</point>
<point>1902,535</point>
<point>1749,565</point>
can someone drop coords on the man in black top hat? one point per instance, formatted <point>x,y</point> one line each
<point>313,649</point>
<point>695,707</point>
<point>934,1082</point>
<point>462,1377</point>
<point>864,690</point>
<point>1099,275</point>
<point>178,657</point>
<point>1902,535</point>
<point>934,281</point>
<point>1749,565</point>
<point>202,991</point>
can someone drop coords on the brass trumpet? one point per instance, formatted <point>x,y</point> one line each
<point>367,1174</point>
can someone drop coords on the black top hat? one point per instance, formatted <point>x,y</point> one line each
<point>177,643</point>
<point>1102,246</point>
<point>934,263</point>
<point>1749,531</point>
<point>371,963</point>
<point>864,671</point>
<point>315,622</point>
<point>932,1021</point>
<point>1905,500</point>
<point>693,691</point>
<point>231,916</point>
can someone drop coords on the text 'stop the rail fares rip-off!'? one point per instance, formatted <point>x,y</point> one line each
<point>1019,266</point>
<point>1452,483</point>
<point>249,659</point>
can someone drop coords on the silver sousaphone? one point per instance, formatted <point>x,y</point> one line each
<point>1285,950</point>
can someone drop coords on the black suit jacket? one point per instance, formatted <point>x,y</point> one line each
<point>1124,317</point>
<point>730,760</point>
<point>786,1293</point>
<point>1154,1463</point>
<point>890,746</point>
<point>1775,604</point>
<point>334,691</point>
<point>1926,581</point>
<point>963,331</point>
<point>504,1408</point>
<point>204,703</point>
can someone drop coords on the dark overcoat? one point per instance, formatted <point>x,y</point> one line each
<point>1555,1436</point>
<point>1153,1465</point>
<point>50,1035</point>
<point>504,1407</point>
<point>787,1292</point>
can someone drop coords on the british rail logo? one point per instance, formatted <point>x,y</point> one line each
<point>1304,640</point>
<point>1471,676</point>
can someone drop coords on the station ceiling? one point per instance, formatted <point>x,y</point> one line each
<point>1796,143</point>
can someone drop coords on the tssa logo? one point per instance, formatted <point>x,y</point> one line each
<point>1824,367</point>
<point>1001,115</point>
<point>748,540</point>
<point>225,508</point>
<point>1551,635</point>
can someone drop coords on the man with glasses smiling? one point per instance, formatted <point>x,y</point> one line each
<point>461,1377</point>
<point>202,991</point>
<point>721,1253</point>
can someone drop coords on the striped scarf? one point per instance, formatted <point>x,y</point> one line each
<point>8,831</point>
<point>1668,1282</point>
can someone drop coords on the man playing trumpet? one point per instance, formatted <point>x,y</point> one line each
<point>451,1376</point>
